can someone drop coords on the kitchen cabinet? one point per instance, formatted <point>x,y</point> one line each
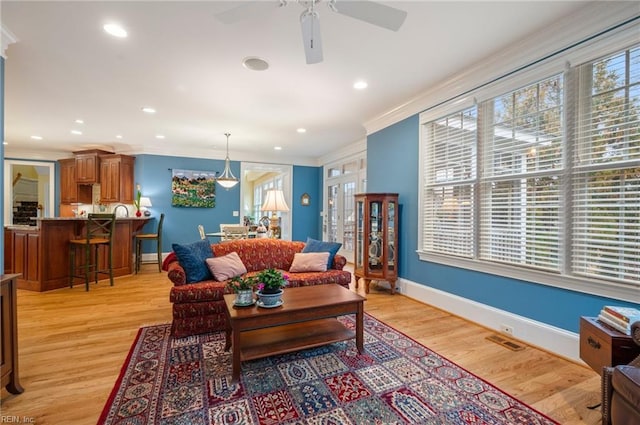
<point>9,335</point>
<point>88,166</point>
<point>116,178</point>
<point>376,241</point>
<point>70,191</point>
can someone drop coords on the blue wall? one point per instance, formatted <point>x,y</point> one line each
<point>306,219</point>
<point>392,166</point>
<point>154,172</point>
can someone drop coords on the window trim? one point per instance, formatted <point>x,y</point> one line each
<point>589,286</point>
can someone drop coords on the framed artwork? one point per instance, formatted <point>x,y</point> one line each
<point>305,200</point>
<point>193,189</point>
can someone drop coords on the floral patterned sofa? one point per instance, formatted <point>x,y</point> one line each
<point>199,307</point>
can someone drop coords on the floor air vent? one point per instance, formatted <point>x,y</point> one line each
<point>506,342</point>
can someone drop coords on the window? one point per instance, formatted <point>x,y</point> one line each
<point>520,211</point>
<point>544,178</point>
<point>450,178</point>
<point>606,182</point>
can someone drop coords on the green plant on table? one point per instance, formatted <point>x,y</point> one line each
<point>240,283</point>
<point>271,281</point>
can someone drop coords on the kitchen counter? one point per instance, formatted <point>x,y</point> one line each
<point>41,253</point>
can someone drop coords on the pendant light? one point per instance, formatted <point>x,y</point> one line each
<point>227,179</point>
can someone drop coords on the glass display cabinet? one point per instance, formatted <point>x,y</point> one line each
<point>376,238</point>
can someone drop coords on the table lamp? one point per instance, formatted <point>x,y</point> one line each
<point>274,202</point>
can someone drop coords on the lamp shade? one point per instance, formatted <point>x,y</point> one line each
<point>145,201</point>
<point>274,201</point>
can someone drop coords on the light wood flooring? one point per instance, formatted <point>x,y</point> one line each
<point>73,343</point>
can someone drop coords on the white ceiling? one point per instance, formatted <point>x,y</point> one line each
<point>186,64</point>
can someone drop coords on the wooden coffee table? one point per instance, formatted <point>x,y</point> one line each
<point>307,318</point>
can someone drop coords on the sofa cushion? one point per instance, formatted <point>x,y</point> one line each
<point>192,258</point>
<point>309,262</point>
<point>226,267</point>
<point>314,245</point>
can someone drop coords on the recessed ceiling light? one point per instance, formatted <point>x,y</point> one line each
<point>115,30</point>
<point>77,132</point>
<point>36,137</point>
<point>159,136</point>
<point>148,110</point>
<point>255,64</point>
<point>118,136</point>
<point>79,121</point>
<point>301,130</point>
<point>277,148</point>
<point>5,143</point>
<point>360,85</point>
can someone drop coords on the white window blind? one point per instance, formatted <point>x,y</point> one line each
<point>606,178</point>
<point>523,161</point>
<point>450,177</point>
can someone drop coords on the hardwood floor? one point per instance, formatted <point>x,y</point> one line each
<point>73,343</point>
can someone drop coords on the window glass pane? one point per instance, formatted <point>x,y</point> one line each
<point>350,167</point>
<point>607,226</point>
<point>609,130</point>
<point>527,135</point>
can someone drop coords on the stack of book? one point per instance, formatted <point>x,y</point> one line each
<point>619,318</point>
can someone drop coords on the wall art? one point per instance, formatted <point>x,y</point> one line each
<point>193,189</point>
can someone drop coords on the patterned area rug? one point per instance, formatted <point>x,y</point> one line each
<point>397,381</point>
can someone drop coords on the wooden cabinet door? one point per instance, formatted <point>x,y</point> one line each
<point>87,168</point>
<point>68,185</point>
<point>116,176</point>
<point>110,178</point>
<point>25,254</point>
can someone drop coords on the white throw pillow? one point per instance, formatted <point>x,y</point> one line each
<point>225,267</point>
<point>309,262</point>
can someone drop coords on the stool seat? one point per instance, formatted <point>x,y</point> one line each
<point>138,239</point>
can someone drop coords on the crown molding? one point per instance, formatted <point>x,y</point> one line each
<point>595,17</point>
<point>7,38</point>
<point>346,151</point>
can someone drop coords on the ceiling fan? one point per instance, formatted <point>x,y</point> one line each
<point>368,11</point>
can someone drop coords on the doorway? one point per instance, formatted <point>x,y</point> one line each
<point>256,179</point>
<point>343,181</point>
<point>29,191</point>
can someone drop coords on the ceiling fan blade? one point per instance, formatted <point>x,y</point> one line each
<point>310,23</point>
<point>371,12</point>
<point>247,10</point>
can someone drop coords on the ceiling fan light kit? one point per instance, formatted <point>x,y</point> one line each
<point>367,11</point>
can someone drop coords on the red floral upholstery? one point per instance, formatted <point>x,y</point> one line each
<point>199,307</point>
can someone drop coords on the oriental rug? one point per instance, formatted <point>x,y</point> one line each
<point>187,381</point>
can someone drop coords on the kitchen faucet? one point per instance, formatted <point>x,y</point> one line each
<point>126,210</point>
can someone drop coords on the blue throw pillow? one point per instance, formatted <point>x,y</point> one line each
<point>192,258</point>
<point>314,245</point>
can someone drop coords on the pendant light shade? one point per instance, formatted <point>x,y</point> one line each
<point>227,179</point>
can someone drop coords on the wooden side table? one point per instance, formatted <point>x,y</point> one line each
<point>9,340</point>
<point>601,345</point>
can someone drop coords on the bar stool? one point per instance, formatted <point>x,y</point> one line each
<point>99,232</point>
<point>138,239</point>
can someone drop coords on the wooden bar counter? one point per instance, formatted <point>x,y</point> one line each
<point>41,253</point>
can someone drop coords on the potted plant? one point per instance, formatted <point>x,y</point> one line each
<point>270,283</point>
<point>136,202</point>
<point>243,288</point>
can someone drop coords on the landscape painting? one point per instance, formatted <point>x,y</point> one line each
<point>193,189</point>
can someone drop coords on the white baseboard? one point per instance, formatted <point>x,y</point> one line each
<point>550,338</point>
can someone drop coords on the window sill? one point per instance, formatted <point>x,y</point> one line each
<point>584,285</point>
